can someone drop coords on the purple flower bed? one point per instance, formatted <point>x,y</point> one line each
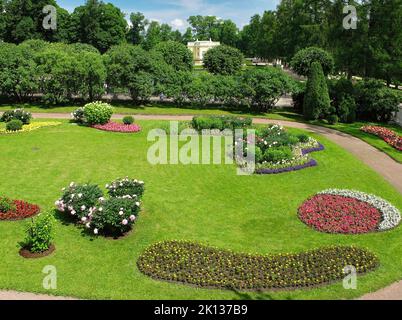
<point>118,127</point>
<point>311,163</point>
<point>319,148</point>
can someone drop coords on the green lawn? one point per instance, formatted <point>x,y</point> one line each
<point>210,204</point>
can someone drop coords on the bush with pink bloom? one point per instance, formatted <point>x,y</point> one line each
<point>79,201</point>
<point>118,127</point>
<point>116,218</point>
<point>127,188</point>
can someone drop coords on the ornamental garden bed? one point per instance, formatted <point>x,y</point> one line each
<point>388,135</point>
<point>13,210</point>
<point>278,151</point>
<point>27,254</point>
<point>348,212</point>
<point>198,265</point>
<point>118,127</point>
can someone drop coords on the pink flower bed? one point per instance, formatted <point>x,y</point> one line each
<point>389,136</point>
<point>118,127</point>
<point>339,214</point>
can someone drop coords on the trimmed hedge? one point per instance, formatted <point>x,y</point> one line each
<point>195,264</point>
<point>220,123</point>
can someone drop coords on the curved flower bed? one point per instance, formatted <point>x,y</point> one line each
<point>22,210</point>
<point>118,127</point>
<point>32,126</point>
<point>348,212</point>
<point>296,165</point>
<point>195,264</point>
<point>388,135</point>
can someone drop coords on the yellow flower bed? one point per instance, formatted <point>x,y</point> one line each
<point>32,126</point>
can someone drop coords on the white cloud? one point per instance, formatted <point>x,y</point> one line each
<point>178,23</point>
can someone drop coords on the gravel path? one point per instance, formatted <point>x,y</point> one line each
<point>377,160</point>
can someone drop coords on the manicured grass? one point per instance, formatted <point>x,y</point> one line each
<point>207,203</point>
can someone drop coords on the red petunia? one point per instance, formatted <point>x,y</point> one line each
<point>118,127</point>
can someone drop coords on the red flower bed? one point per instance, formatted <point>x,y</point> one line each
<point>389,136</point>
<point>22,210</point>
<point>118,127</point>
<point>338,214</point>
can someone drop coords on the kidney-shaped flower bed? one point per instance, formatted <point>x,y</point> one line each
<point>348,212</point>
<point>199,265</point>
<point>388,135</point>
<point>118,127</point>
<point>17,209</point>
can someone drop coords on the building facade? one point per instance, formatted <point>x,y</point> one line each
<point>199,48</point>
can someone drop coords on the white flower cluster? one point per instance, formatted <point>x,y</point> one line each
<point>391,216</point>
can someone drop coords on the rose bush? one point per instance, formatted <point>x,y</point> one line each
<point>126,188</point>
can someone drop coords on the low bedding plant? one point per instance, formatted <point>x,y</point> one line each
<point>388,135</point>
<point>220,123</point>
<point>348,212</point>
<point>278,151</point>
<point>16,209</point>
<point>198,265</point>
<point>98,115</point>
<point>114,216</point>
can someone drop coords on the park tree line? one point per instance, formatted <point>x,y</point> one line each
<point>373,49</point>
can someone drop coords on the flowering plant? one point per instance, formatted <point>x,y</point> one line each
<point>17,114</point>
<point>79,115</point>
<point>389,136</point>
<point>199,265</point>
<point>113,217</point>
<point>349,212</point>
<point>118,127</point>
<point>31,127</point>
<point>98,112</point>
<point>17,209</point>
<point>79,200</point>
<point>128,188</point>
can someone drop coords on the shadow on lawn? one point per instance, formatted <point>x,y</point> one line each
<point>259,295</point>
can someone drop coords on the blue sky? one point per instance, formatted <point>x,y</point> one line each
<point>176,12</point>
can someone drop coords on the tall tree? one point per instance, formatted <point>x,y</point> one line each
<point>2,20</point>
<point>99,24</point>
<point>136,33</point>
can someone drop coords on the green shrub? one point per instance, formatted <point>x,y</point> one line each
<point>375,101</point>
<point>128,120</point>
<point>115,217</point>
<point>303,60</point>
<point>39,234</point>
<point>98,113</point>
<point>79,115</point>
<point>79,200</point>
<point>6,205</point>
<point>14,125</point>
<point>278,154</point>
<point>223,60</point>
<point>332,119</point>
<point>17,114</point>
<point>126,188</point>
<point>303,138</point>
<point>316,101</point>
<point>220,122</point>
<point>175,54</point>
<point>347,109</point>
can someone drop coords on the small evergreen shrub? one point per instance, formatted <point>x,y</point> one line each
<point>39,234</point>
<point>332,119</point>
<point>347,109</point>
<point>98,113</point>
<point>128,120</point>
<point>278,154</point>
<point>79,115</point>
<point>6,205</point>
<point>14,125</point>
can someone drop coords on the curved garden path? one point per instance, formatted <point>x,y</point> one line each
<point>377,160</point>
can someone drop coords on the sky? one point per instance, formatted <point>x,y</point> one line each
<point>176,12</point>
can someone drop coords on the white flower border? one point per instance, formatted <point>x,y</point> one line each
<point>391,216</point>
